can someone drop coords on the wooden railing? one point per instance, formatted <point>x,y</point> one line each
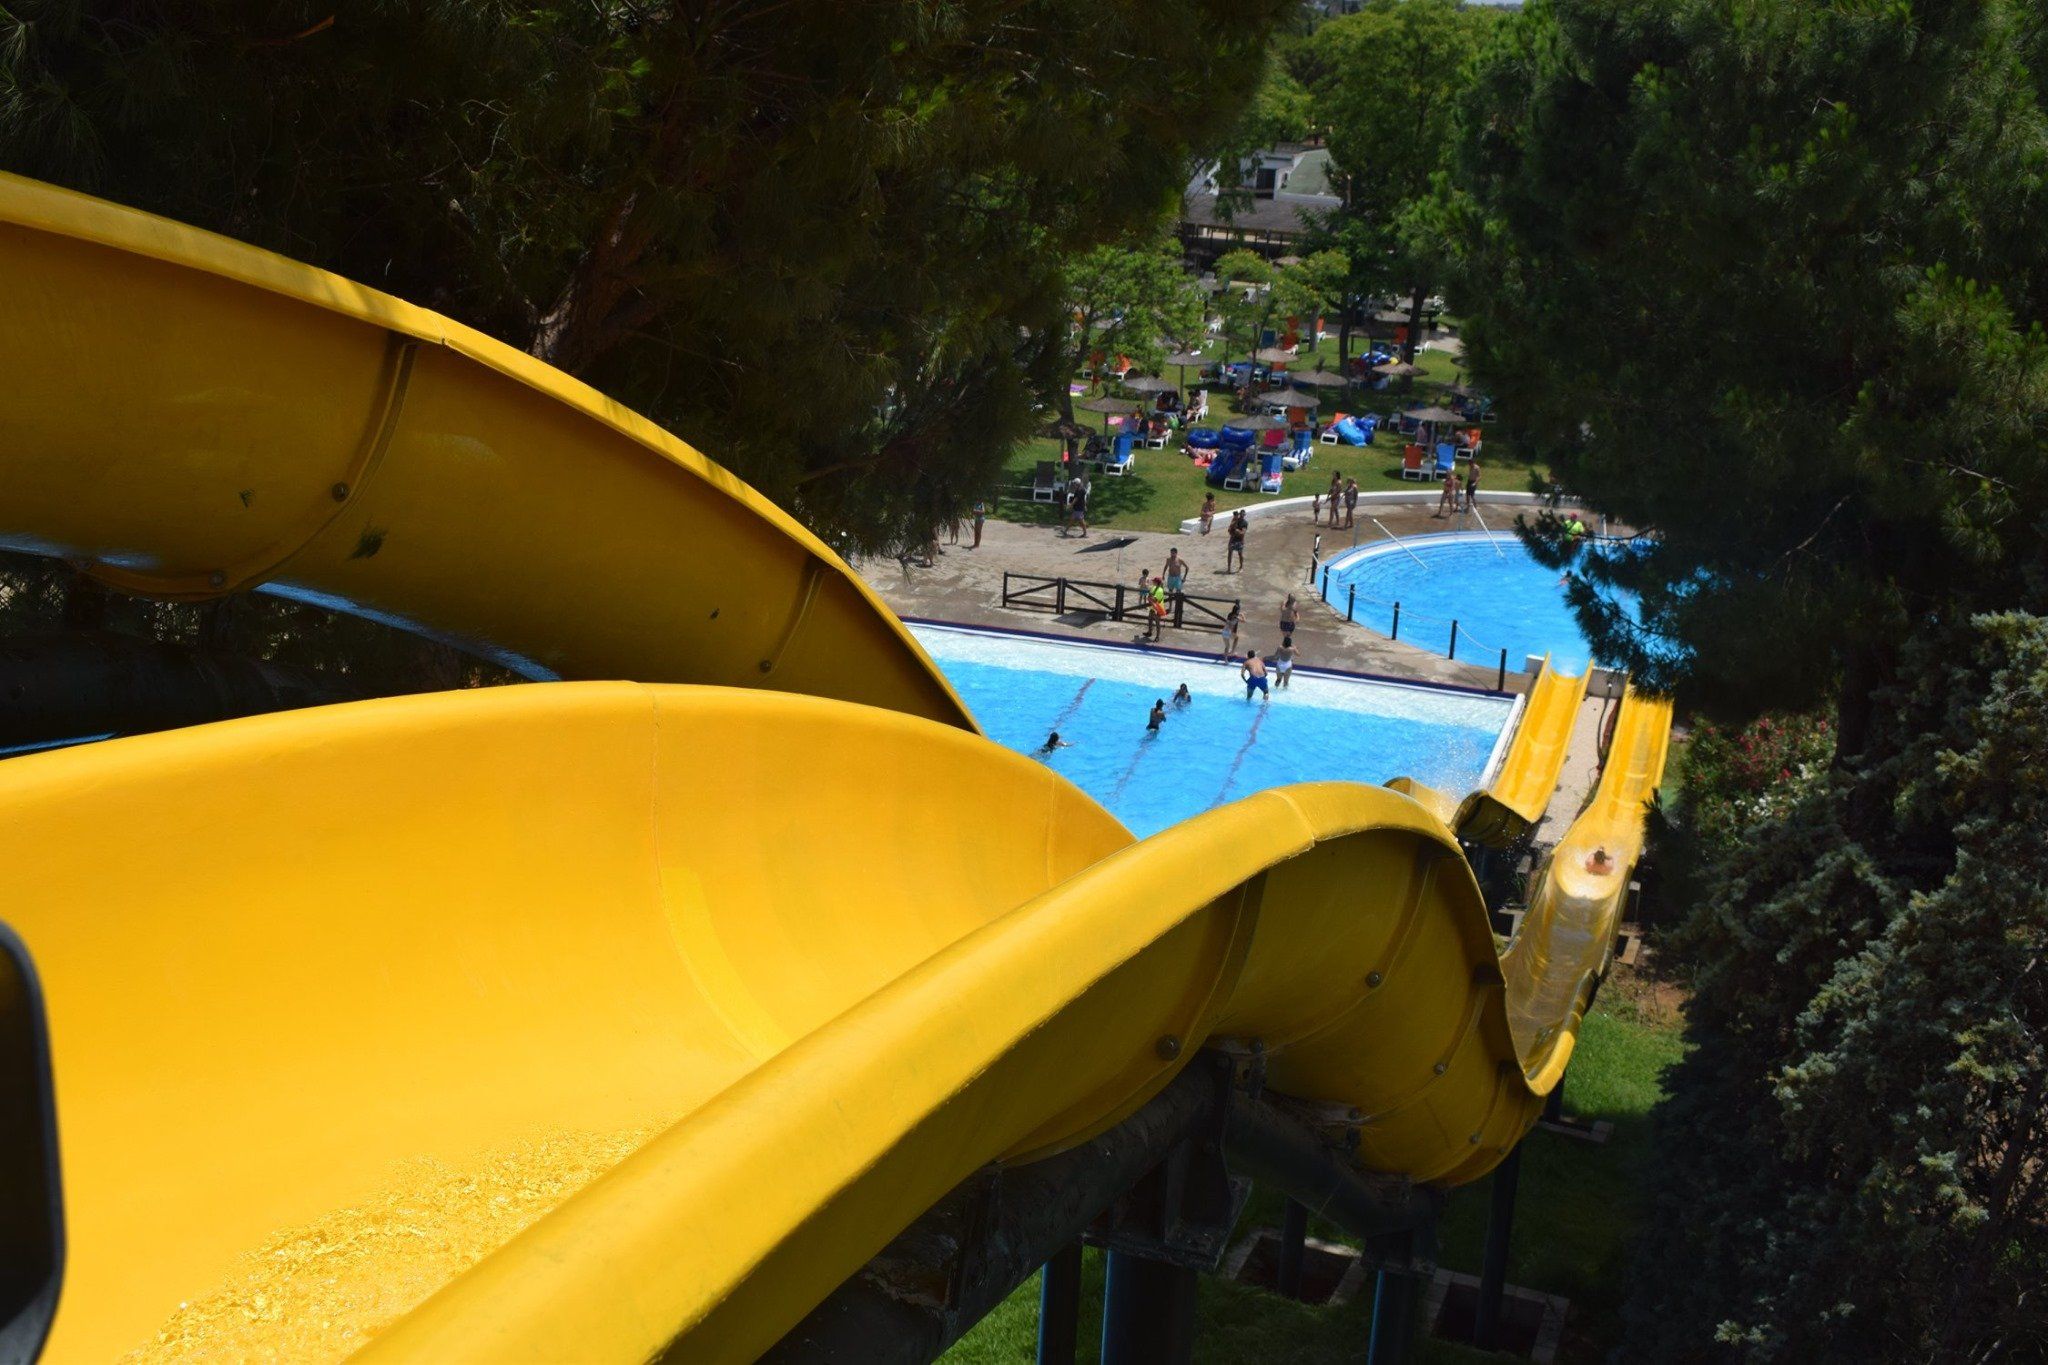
<point>1111,601</point>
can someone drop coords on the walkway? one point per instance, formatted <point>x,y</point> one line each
<point>966,585</point>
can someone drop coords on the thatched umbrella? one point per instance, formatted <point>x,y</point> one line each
<point>1180,360</point>
<point>1109,407</point>
<point>1434,417</point>
<point>1319,379</point>
<point>1398,369</point>
<point>1145,383</point>
<point>1287,398</point>
<point>1067,432</point>
<point>1276,355</point>
<point>1262,422</point>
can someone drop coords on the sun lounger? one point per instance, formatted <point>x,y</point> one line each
<point>1122,457</point>
<point>1045,484</point>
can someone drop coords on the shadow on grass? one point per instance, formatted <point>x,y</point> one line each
<point>1108,499</point>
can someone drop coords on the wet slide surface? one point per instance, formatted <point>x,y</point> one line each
<point>590,1020</point>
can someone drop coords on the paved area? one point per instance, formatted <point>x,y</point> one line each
<point>966,585</point>
<point>1581,765</point>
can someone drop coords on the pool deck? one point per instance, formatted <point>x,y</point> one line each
<point>966,586</point>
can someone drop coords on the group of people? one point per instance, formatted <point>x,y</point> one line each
<point>1237,531</point>
<point>1252,669</point>
<point>1450,502</point>
<point>1342,498</point>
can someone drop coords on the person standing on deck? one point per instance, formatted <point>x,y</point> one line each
<point>1176,572</point>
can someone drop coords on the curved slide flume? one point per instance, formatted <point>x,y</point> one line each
<point>323,985</point>
<point>1506,808</point>
<point>188,416</point>
<point>598,1019</point>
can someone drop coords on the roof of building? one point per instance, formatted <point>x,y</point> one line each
<point>1283,213</point>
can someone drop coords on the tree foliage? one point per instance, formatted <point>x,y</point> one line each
<point>1387,83</point>
<point>1128,298</point>
<point>1855,1158</point>
<point>1766,279</point>
<point>1257,295</point>
<point>819,239</point>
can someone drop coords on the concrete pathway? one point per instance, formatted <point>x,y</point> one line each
<point>965,585</point>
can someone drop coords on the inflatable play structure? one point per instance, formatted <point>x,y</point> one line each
<point>729,994</point>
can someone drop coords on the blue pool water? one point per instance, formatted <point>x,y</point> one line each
<point>1499,596</point>
<point>1219,748</point>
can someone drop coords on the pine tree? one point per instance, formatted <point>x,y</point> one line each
<point>821,240</point>
<point>1766,279</point>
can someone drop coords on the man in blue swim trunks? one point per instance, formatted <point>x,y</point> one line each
<point>1254,674</point>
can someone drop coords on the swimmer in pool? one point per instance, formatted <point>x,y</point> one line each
<point>1183,697</point>
<point>1053,741</point>
<point>1157,718</point>
<point>1253,671</point>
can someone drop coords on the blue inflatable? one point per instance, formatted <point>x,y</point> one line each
<point>1237,438</point>
<point>1225,464</point>
<point>1349,432</point>
<point>1204,438</point>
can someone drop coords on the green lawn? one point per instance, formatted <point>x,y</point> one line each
<point>1167,486</point>
<point>1579,1205</point>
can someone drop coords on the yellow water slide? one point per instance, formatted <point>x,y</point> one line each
<point>188,416</point>
<point>1520,791</point>
<point>597,1020</point>
<point>1567,936</point>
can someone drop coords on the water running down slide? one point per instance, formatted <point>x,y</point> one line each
<point>1514,801</point>
<point>603,1019</point>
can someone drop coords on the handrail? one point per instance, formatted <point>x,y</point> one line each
<point>1113,601</point>
<point>1491,539</point>
<point>1397,540</point>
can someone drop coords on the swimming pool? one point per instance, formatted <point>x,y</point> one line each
<point>1500,597</point>
<point>1219,747</point>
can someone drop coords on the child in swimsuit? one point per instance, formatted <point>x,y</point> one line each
<point>1283,662</point>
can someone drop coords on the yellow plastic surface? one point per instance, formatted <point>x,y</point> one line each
<point>591,1020</point>
<point>187,415</point>
<point>832,958</point>
<point>1520,792</point>
<point>1567,937</point>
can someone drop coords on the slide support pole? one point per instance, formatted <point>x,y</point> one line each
<point>1393,1314</point>
<point>1293,1247</point>
<point>1059,1306</point>
<point>1148,1312</point>
<point>1500,1231</point>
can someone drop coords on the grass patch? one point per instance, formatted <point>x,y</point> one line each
<point>1579,1205</point>
<point>1166,487</point>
